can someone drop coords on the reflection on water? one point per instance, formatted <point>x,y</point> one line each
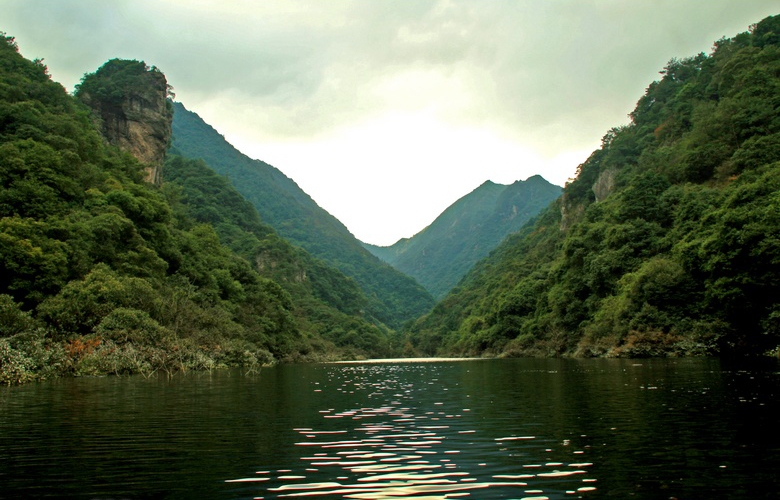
<point>479,429</point>
<point>414,434</point>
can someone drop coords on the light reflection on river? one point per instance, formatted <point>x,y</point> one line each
<point>469,429</point>
<point>412,432</point>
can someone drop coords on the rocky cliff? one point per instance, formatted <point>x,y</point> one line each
<point>131,107</point>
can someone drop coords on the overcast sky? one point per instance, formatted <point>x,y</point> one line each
<point>387,111</point>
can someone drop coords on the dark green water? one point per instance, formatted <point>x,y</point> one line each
<point>471,429</point>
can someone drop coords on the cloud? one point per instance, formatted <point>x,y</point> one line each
<point>514,82</point>
<point>519,66</point>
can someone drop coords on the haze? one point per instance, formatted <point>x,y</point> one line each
<point>386,112</point>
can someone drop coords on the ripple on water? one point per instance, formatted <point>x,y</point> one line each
<point>398,448</point>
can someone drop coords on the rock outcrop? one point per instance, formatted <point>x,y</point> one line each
<point>605,184</point>
<point>571,211</point>
<point>131,107</point>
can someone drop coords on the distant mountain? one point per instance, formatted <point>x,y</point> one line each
<point>393,297</point>
<point>439,255</point>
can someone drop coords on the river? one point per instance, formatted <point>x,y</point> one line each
<point>482,429</point>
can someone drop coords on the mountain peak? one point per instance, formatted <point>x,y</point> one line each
<point>130,103</point>
<point>467,231</point>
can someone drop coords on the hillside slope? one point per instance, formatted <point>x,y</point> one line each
<point>393,297</point>
<point>439,255</point>
<point>104,272</point>
<point>667,241</point>
<point>326,306</point>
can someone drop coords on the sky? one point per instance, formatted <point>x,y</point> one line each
<point>387,111</point>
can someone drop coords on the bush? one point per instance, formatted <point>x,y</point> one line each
<point>12,319</point>
<point>15,366</point>
<point>246,354</point>
<point>31,356</point>
<point>123,325</point>
<point>81,305</point>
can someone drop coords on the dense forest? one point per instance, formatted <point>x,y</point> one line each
<point>439,255</point>
<point>103,272</point>
<point>393,297</point>
<point>666,243</point>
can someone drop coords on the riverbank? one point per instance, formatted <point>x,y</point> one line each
<point>34,356</point>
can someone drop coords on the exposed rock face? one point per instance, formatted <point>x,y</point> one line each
<point>142,127</point>
<point>604,184</point>
<point>571,211</point>
<point>136,115</point>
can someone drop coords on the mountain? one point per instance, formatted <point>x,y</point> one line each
<point>666,243</point>
<point>393,297</point>
<point>326,306</point>
<point>439,255</point>
<point>107,268</point>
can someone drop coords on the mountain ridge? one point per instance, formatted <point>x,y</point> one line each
<point>466,231</point>
<point>393,297</point>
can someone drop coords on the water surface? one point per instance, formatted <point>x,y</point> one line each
<point>692,428</point>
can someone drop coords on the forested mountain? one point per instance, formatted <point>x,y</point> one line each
<point>666,243</point>
<point>326,306</point>
<point>105,272</point>
<point>439,255</point>
<point>392,296</point>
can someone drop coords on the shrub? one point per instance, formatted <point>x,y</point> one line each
<point>123,325</point>
<point>81,305</point>
<point>31,356</point>
<point>12,319</point>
